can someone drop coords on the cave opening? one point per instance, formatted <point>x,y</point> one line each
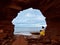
<point>29,20</point>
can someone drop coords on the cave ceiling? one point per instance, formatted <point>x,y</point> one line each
<point>10,8</point>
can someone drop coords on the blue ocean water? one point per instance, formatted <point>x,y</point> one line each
<point>26,29</point>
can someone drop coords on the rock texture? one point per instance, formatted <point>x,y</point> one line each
<point>10,8</point>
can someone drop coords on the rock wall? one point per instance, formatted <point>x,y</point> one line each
<point>50,9</point>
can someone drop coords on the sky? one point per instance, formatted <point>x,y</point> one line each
<point>29,18</point>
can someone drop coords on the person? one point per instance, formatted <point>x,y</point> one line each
<point>42,31</point>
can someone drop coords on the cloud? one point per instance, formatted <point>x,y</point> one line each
<point>29,18</point>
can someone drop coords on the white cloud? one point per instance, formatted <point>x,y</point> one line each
<point>29,17</point>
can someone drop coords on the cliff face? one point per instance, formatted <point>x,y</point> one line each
<point>50,9</point>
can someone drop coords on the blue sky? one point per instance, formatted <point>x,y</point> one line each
<point>29,18</point>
